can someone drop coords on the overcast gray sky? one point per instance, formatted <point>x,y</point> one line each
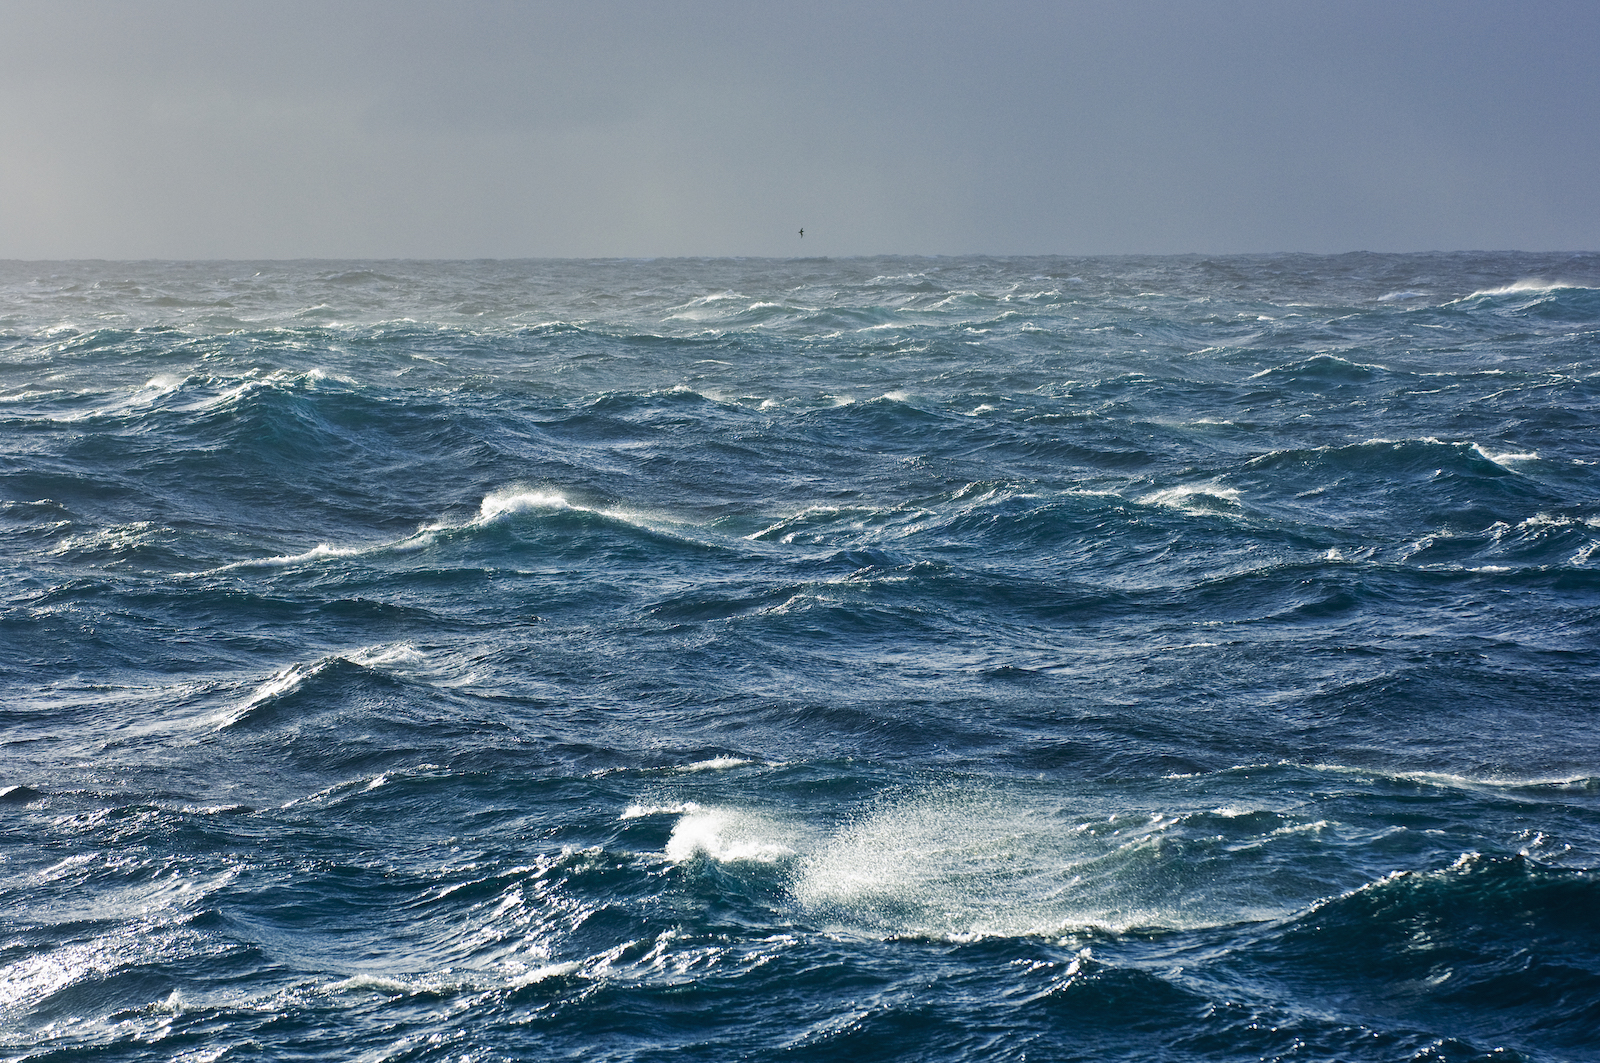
<point>488,129</point>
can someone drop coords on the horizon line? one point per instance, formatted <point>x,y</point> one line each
<point>788,258</point>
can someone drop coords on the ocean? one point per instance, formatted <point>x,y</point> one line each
<point>1001,659</point>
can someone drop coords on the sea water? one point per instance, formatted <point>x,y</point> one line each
<point>873,659</point>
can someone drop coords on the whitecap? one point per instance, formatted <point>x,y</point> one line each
<point>316,553</point>
<point>640,811</point>
<point>498,504</point>
<point>728,836</point>
<point>371,982</point>
<point>544,973</point>
<point>1193,498</point>
<point>1443,779</point>
<point>1531,284</point>
<point>1508,456</point>
<point>495,506</point>
<point>387,653</point>
<point>715,764</point>
<point>283,681</point>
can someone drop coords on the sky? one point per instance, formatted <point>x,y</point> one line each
<point>478,129</point>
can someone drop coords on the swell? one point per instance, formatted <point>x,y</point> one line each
<point>1398,962</point>
<point>1180,658</point>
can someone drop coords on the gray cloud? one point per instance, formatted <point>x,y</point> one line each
<point>169,129</point>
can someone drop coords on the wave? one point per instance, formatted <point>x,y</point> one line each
<point>1458,486</point>
<point>960,864</point>
<point>1323,369</point>
<point>270,697</point>
<point>317,553</point>
<point>1386,457</point>
<point>184,395</point>
<point>1528,285</point>
<point>1459,948</point>
<point>337,715</point>
<point>1534,300</point>
<point>433,986</point>
<point>1471,941</point>
<point>498,509</point>
<point>1195,499</point>
<point>1314,777</point>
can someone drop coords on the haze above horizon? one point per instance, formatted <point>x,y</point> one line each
<point>187,130</point>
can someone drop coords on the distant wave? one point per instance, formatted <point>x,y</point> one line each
<point>1531,285</point>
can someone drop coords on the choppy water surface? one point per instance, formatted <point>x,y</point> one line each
<point>902,659</point>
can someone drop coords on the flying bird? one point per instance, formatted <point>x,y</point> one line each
<point>802,234</point>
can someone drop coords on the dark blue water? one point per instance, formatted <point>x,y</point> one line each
<point>885,659</point>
